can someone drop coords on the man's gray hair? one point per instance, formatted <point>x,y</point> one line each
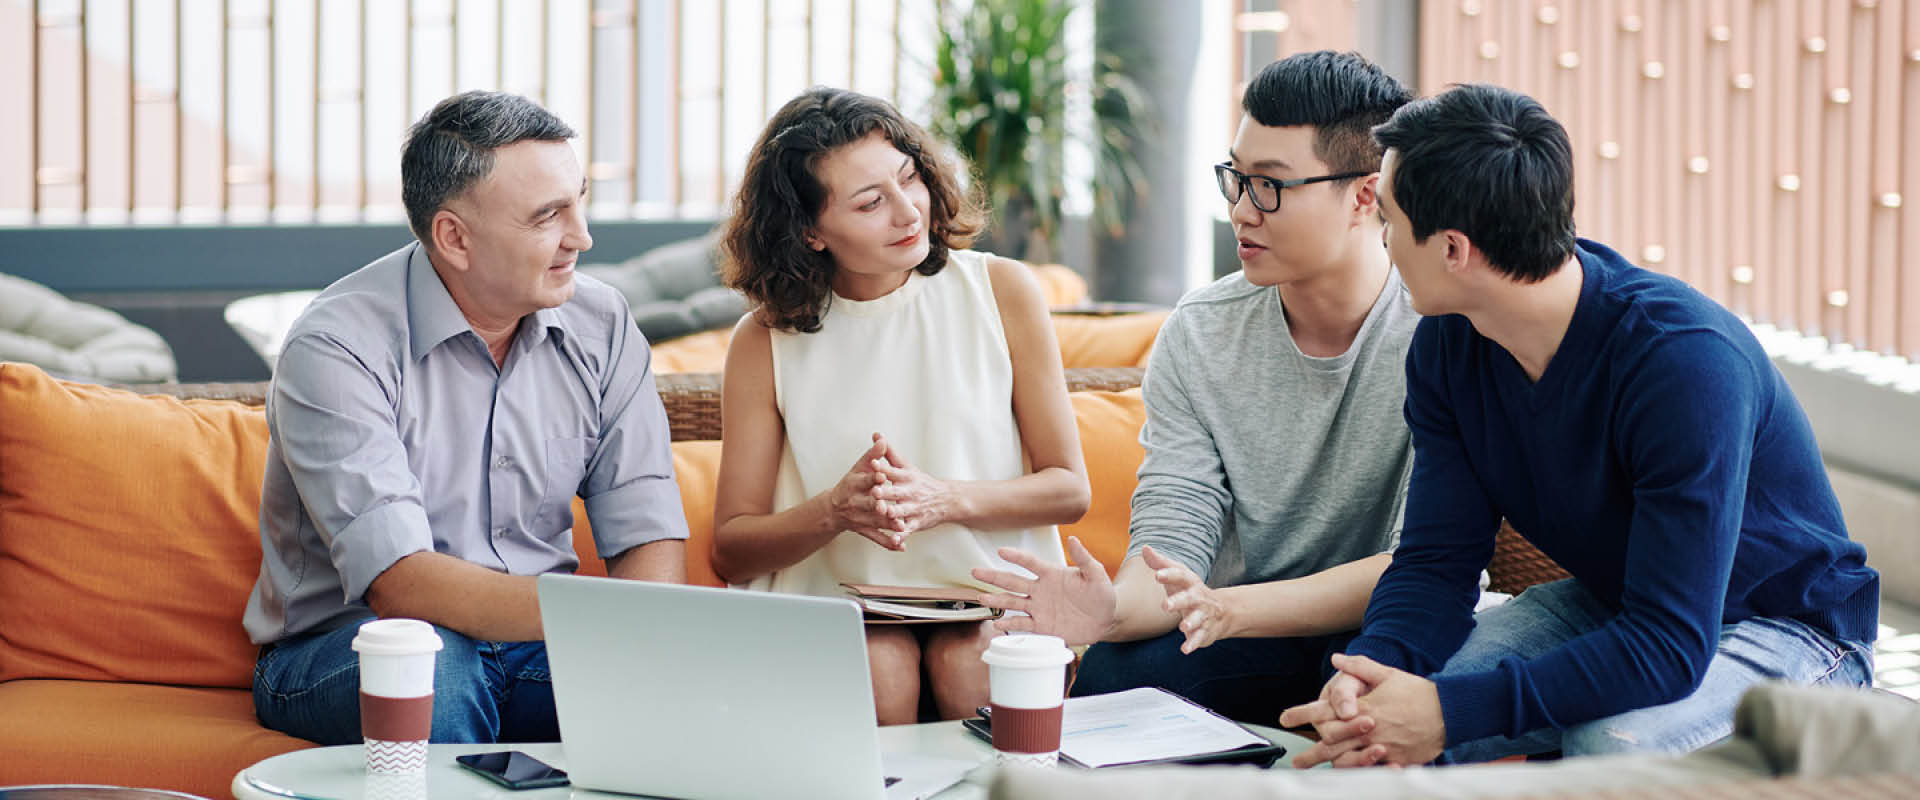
<point>451,148</point>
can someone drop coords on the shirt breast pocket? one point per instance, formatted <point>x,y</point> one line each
<point>566,467</point>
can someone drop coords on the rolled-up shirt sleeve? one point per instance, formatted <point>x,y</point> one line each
<point>630,493</point>
<point>333,419</point>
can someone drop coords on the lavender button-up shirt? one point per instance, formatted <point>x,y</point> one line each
<point>392,432</point>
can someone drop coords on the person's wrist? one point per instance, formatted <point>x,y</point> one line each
<point>953,505</point>
<point>1229,615</point>
<point>1112,625</point>
<point>830,516</point>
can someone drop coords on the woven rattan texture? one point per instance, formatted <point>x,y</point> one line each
<point>252,394</point>
<point>693,398</point>
<point>1517,564</point>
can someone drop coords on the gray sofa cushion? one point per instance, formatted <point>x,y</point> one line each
<point>77,341</point>
<point>674,289</point>
<point>1817,731</point>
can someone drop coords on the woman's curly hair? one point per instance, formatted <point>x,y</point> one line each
<point>780,199</point>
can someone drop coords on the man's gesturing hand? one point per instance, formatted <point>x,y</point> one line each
<point>1075,603</point>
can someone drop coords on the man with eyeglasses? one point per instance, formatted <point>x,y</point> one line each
<point>1276,456</point>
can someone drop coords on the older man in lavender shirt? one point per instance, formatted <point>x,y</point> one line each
<point>432,417</point>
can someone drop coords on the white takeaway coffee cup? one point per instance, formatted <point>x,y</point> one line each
<point>396,693</point>
<point>1027,681</point>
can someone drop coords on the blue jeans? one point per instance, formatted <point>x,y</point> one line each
<point>1249,680</point>
<point>1750,651</point>
<point>482,691</point>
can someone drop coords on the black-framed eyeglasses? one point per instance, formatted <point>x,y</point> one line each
<point>1266,191</point>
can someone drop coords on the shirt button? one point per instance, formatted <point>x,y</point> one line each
<point>499,533</point>
<point>503,462</point>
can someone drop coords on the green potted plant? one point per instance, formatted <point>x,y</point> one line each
<point>1001,88</point>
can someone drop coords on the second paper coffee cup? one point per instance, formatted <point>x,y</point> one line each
<point>1027,676</point>
<point>396,693</point>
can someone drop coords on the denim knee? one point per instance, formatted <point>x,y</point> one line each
<point>1119,666</point>
<point>1641,731</point>
<point>309,687</point>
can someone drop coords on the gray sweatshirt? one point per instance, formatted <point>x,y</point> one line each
<point>1264,463</point>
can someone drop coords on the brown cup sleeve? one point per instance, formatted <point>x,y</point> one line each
<point>1026,730</point>
<point>396,719</point>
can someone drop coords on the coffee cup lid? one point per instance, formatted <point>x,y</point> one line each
<point>396,637</point>
<point>1027,651</point>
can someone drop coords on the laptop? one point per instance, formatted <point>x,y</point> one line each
<point>692,692</point>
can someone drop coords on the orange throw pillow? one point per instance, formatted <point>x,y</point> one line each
<point>1060,285</point>
<point>1110,438</point>
<point>129,535</point>
<point>696,352</point>
<point>1120,340</point>
<point>696,467</point>
<point>1086,340</point>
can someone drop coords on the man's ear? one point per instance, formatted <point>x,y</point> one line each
<point>451,239</point>
<point>1459,250</point>
<point>1366,198</point>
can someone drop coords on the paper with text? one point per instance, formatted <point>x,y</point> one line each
<point>1144,725</point>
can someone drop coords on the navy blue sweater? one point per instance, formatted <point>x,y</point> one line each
<point>1661,459</point>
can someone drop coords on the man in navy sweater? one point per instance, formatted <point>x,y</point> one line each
<point>1630,428</point>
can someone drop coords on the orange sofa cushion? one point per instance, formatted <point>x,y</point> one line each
<point>1120,340</point>
<point>128,533</point>
<point>1060,285</point>
<point>1086,340</point>
<point>1109,425</point>
<point>125,734</point>
<point>695,352</point>
<point>696,468</point>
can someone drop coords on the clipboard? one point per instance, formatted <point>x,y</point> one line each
<point>906,605</point>
<point>1259,755</point>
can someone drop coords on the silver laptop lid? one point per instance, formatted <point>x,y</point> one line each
<point>686,691</point>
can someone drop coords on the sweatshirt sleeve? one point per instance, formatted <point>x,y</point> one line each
<point>1181,502</point>
<point>1684,431</point>
<point>1422,608</point>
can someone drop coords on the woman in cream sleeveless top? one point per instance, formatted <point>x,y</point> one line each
<point>894,410</point>
<point>926,366</point>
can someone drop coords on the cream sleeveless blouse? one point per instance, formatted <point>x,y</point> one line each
<point>927,367</point>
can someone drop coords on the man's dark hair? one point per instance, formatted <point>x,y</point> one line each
<point>1490,163</point>
<point>1342,95</point>
<point>451,148</point>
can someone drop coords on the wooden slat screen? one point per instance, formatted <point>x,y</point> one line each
<point>262,110</point>
<point>1763,150</point>
<point>1766,151</point>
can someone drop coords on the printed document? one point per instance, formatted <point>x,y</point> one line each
<point>1144,725</point>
